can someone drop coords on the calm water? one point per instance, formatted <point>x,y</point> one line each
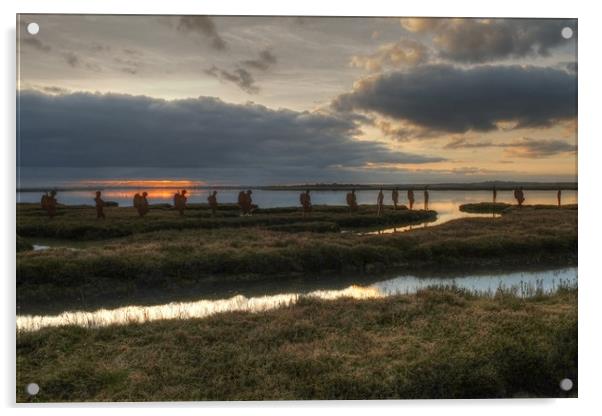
<point>523,283</point>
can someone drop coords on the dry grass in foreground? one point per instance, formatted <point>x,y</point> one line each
<point>435,344</point>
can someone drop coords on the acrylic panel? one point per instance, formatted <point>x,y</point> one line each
<point>295,208</point>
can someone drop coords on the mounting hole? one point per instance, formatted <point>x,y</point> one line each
<point>567,32</point>
<point>566,384</point>
<point>32,389</point>
<point>33,28</point>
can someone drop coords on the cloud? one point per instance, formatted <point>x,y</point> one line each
<point>484,40</point>
<point>36,44</point>
<point>129,66</point>
<point>404,52</point>
<point>533,148</point>
<point>523,148</point>
<point>72,59</point>
<point>95,130</point>
<point>240,77</point>
<point>202,25</point>
<point>50,89</point>
<point>449,99</point>
<point>571,67</point>
<point>263,62</point>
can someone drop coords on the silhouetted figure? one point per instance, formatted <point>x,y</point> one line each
<point>48,203</point>
<point>141,203</point>
<point>242,197</point>
<point>559,196</point>
<point>179,201</point>
<point>494,194</point>
<point>411,198</point>
<point>248,202</point>
<point>212,200</point>
<point>99,206</point>
<point>352,201</point>
<point>426,198</point>
<point>380,201</point>
<point>520,196</point>
<point>395,197</point>
<point>305,200</point>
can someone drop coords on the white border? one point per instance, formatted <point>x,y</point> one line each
<point>590,139</point>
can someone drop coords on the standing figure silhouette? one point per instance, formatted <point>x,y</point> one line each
<point>248,202</point>
<point>520,196</point>
<point>352,201</point>
<point>395,197</point>
<point>559,196</point>
<point>305,200</point>
<point>99,206</point>
<point>426,198</point>
<point>380,199</point>
<point>49,202</point>
<point>242,197</point>
<point>141,204</point>
<point>212,200</point>
<point>180,201</point>
<point>411,198</point>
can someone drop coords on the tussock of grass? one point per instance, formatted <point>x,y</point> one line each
<point>435,344</point>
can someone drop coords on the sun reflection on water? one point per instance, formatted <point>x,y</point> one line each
<point>183,310</point>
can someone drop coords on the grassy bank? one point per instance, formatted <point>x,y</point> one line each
<point>520,238</point>
<point>435,344</point>
<point>499,207</point>
<point>80,223</point>
<point>484,207</point>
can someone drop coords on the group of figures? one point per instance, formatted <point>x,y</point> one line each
<point>380,200</point>
<point>49,202</point>
<point>519,195</point>
<point>245,202</point>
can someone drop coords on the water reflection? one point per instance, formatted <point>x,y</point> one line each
<point>523,283</point>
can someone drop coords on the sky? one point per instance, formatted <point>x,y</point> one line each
<point>288,100</point>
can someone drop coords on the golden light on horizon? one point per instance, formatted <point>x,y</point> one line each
<point>143,183</point>
<point>152,193</point>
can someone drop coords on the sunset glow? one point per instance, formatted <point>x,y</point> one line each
<point>142,184</point>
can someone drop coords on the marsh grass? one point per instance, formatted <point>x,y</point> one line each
<point>80,223</point>
<point>484,207</point>
<point>438,343</point>
<point>520,238</point>
<point>500,207</point>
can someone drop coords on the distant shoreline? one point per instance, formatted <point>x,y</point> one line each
<point>481,186</point>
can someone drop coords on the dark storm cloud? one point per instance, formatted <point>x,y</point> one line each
<point>525,147</point>
<point>92,130</point>
<point>534,148</point>
<point>263,62</point>
<point>449,99</point>
<point>484,40</point>
<point>203,25</point>
<point>241,77</point>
